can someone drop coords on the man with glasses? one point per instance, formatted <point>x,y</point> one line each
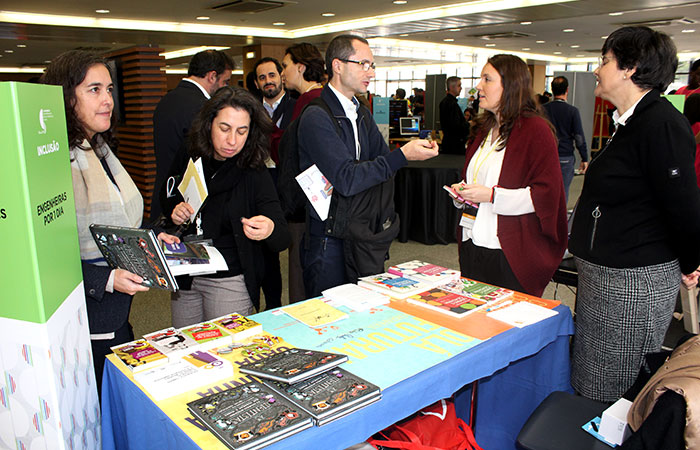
<point>351,153</point>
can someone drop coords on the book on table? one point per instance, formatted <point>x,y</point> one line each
<point>182,374</point>
<point>477,290</point>
<point>395,285</point>
<point>172,342</point>
<point>423,271</point>
<point>329,395</point>
<point>455,305</point>
<point>208,335</point>
<point>293,365</point>
<point>136,250</point>
<point>239,327</point>
<point>250,416</point>
<point>139,356</point>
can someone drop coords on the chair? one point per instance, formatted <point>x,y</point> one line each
<point>689,302</point>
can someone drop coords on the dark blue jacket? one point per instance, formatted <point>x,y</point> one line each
<point>567,121</point>
<point>334,154</point>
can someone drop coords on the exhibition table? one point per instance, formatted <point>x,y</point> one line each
<point>426,210</point>
<point>518,368</point>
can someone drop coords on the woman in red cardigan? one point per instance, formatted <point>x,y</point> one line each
<point>513,227</point>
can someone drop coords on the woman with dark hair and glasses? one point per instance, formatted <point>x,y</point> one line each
<point>104,194</point>
<point>513,228</point>
<point>241,213</point>
<point>637,224</point>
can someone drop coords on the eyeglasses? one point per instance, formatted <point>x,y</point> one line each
<point>366,65</point>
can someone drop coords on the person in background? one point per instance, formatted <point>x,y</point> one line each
<point>242,214</point>
<point>454,127</point>
<point>637,224</point>
<point>104,194</point>
<point>208,71</point>
<point>252,86</point>
<point>567,122</point>
<point>279,105</point>
<point>514,233</point>
<point>304,72</point>
<point>693,86</point>
<point>691,111</point>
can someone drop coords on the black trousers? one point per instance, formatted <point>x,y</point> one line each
<point>100,349</point>
<point>487,265</point>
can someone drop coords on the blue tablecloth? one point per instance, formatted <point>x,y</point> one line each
<point>517,369</point>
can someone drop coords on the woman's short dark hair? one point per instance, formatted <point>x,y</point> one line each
<point>341,48</point>
<point>650,52</point>
<point>69,70</point>
<point>255,151</point>
<point>691,109</point>
<point>308,55</point>
<point>517,98</point>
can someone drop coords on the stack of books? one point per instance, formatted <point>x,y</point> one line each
<point>313,381</point>
<point>460,298</point>
<point>410,278</point>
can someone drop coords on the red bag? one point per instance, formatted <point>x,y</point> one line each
<point>437,427</point>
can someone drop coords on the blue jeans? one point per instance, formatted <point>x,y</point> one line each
<point>567,172</point>
<point>323,263</point>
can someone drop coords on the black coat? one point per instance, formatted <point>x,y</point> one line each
<point>171,122</point>
<point>236,193</point>
<point>455,127</point>
<point>643,186</point>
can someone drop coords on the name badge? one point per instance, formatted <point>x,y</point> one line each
<point>468,216</point>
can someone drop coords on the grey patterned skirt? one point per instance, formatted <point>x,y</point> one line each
<point>621,314</point>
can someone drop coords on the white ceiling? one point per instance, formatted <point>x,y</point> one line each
<point>590,19</point>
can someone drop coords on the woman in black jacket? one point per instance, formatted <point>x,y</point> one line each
<point>241,213</point>
<point>637,223</point>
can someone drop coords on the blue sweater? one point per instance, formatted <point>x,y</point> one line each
<point>567,121</point>
<point>334,154</point>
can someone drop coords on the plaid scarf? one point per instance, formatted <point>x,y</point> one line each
<point>97,199</point>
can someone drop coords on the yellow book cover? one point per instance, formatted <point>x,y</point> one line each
<point>314,313</point>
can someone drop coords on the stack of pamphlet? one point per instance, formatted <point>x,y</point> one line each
<point>409,278</point>
<point>312,380</point>
<point>461,297</point>
<point>250,416</point>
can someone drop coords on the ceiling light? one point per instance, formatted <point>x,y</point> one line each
<point>403,35</point>
<point>615,14</point>
<point>279,24</point>
<point>526,48</point>
<point>21,70</point>
<point>527,22</point>
<point>539,42</point>
<point>202,18</point>
<point>557,53</point>
<point>9,51</point>
<point>568,30</point>
<point>580,56</point>
<point>250,55</point>
<point>688,31</point>
<point>603,37</point>
<point>400,2</point>
<point>328,14</point>
<point>490,45</point>
<point>21,45</point>
<point>575,46</point>
<point>189,51</point>
<point>456,29</point>
<point>448,40</point>
<point>102,11</point>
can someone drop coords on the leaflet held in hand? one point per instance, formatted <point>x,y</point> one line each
<point>317,189</point>
<point>193,186</point>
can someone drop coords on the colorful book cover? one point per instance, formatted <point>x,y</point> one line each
<point>423,271</point>
<point>139,355</point>
<point>207,335</point>
<point>477,290</point>
<point>394,285</point>
<point>329,395</point>
<point>294,365</point>
<point>240,327</point>
<point>195,369</point>
<point>249,416</point>
<point>446,302</point>
<point>172,342</point>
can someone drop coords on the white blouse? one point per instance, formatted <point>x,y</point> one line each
<point>485,169</point>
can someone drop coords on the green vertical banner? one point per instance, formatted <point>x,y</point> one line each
<point>48,397</point>
<point>41,263</point>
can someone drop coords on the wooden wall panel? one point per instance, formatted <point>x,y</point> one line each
<point>142,82</point>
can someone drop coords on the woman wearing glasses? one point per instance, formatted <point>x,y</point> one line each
<point>637,223</point>
<point>513,227</point>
